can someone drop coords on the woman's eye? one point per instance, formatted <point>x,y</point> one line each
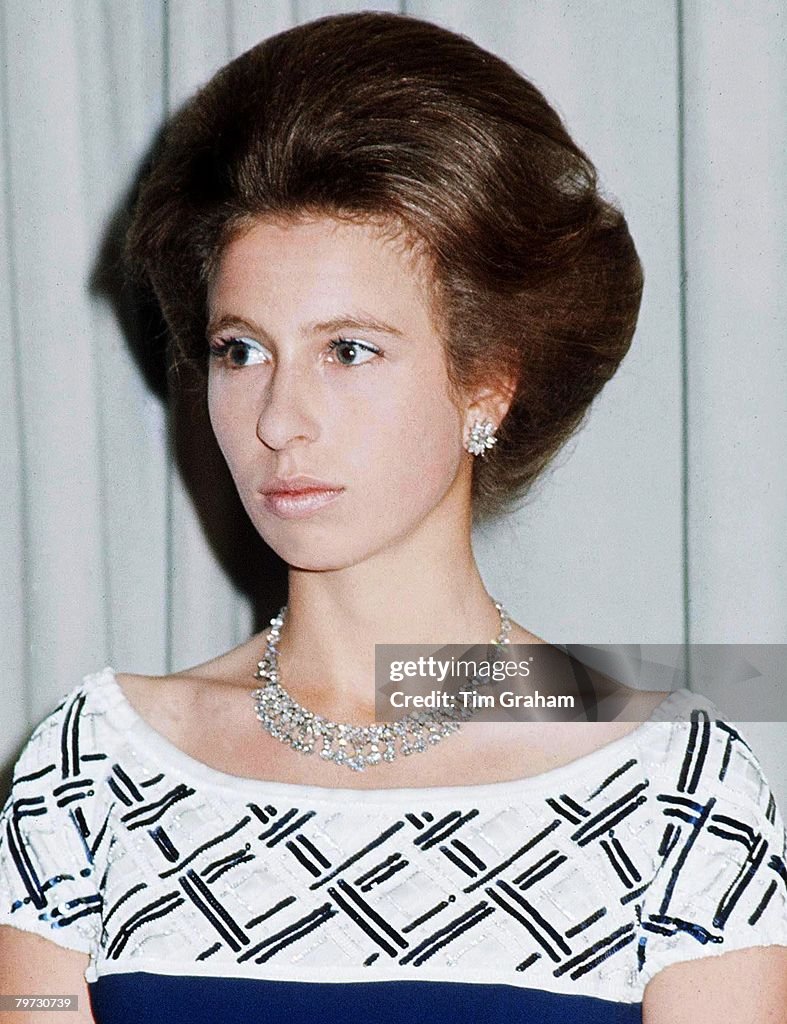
<point>238,351</point>
<point>353,353</point>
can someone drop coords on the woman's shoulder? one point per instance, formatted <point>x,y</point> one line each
<point>697,748</point>
<point>721,879</point>
<point>82,769</point>
<point>713,798</point>
<point>81,729</point>
<point>53,824</point>
<point>692,752</point>
<point>80,743</point>
<point>177,705</point>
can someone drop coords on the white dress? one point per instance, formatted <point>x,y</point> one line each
<point>201,896</point>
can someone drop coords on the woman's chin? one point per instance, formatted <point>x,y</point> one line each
<point>317,553</point>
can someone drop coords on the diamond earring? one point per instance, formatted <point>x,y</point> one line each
<point>482,436</point>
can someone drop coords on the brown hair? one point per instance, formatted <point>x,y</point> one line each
<point>384,116</point>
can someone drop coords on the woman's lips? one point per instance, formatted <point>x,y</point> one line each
<point>299,504</point>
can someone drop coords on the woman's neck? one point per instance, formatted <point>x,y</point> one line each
<point>405,596</point>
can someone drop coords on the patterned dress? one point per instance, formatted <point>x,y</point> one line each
<point>201,896</point>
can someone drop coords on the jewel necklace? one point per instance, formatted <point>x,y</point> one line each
<point>355,746</point>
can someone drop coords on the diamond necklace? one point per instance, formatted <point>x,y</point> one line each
<point>355,746</point>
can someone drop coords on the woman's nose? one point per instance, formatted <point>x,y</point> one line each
<point>288,412</point>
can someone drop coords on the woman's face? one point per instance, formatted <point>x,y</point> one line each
<point>325,363</point>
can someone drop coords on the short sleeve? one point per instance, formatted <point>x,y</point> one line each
<point>47,842</point>
<point>720,882</point>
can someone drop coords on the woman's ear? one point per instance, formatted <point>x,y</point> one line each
<point>491,403</point>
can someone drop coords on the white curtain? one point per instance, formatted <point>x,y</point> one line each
<point>663,522</point>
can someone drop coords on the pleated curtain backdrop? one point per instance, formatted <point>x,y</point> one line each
<point>664,521</point>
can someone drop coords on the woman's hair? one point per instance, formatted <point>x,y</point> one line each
<point>386,118</point>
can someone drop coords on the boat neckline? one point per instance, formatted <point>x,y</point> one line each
<point>170,754</point>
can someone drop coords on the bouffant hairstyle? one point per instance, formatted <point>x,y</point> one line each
<point>382,117</point>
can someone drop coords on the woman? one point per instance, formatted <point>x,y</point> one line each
<point>393,269</point>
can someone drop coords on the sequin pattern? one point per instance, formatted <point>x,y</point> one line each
<point>665,846</point>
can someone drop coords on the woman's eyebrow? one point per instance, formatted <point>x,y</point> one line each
<point>227,322</point>
<point>346,321</point>
<point>353,321</point>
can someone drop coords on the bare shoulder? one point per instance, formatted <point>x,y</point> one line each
<point>177,703</point>
<point>626,708</point>
<point>642,703</point>
<point>538,746</point>
<point>631,705</point>
<point>30,963</point>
